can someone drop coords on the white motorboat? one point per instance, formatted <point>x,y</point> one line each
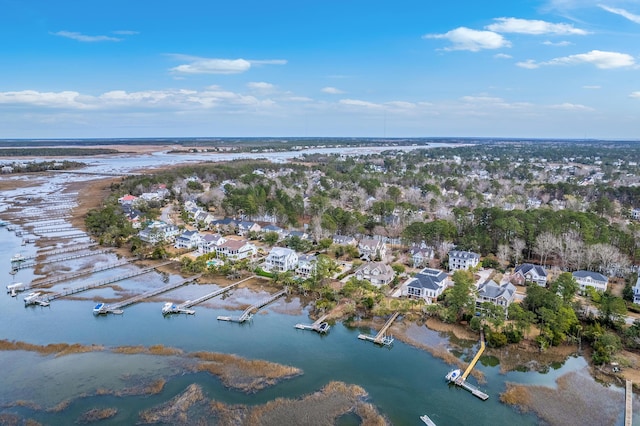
<point>453,375</point>
<point>18,257</point>
<point>98,309</point>
<point>426,420</point>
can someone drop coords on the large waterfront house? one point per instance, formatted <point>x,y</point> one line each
<point>529,273</point>
<point>428,284</point>
<point>281,259</point>
<point>187,240</point>
<point>159,231</point>
<point>500,295</point>
<point>459,259</point>
<point>377,273</point>
<point>209,243</point>
<point>591,279</point>
<point>372,249</point>
<point>236,249</point>
<point>306,265</point>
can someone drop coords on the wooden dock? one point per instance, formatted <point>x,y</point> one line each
<point>116,308</point>
<point>183,308</point>
<point>248,313</point>
<point>462,380</point>
<point>381,338</point>
<point>73,275</point>
<point>628,396</point>
<point>319,325</point>
<point>96,284</point>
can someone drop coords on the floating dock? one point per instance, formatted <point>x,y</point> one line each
<point>248,313</point>
<point>319,326</point>
<point>462,380</point>
<point>116,308</point>
<point>183,308</point>
<point>381,338</point>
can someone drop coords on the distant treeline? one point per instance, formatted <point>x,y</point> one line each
<point>55,152</point>
<point>43,166</point>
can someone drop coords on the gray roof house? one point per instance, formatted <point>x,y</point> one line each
<point>591,279</point>
<point>421,254</point>
<point>377,273</point>
<point>501,295</point>
<point>427,284</point>
<point>459,259</point>
<point>529,273</point>
<point>636,292</point>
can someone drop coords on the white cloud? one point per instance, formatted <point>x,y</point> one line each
<point>261,86</point>
<point>533,27</point>
<point>635,95</point>
<point>625,14</point>
<point>332,91</point>
<point>463,38</point>
<point>126,32</point>
<point>557,43</point>
<point>85,38</point>
<point>600,59</point>
<point>528,64</point>
<point>592,87</point>
<point>66,99</point>
<point>359,103</point>
<point>214,66</point>
<point>502,56</point>
<point>199,65</point>
<point>298,99</point>
<point>567,106</point>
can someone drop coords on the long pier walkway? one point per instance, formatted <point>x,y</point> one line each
<point>33,264</point>
<point>116,308</point>
<point>462,380</point>
<point>381,338</point>
<point>628,396</point>
<point>61,251</point>
<point>475,358</point>
<point>53,296</point>
<point>248,313</point>
<point>73,275</point>
<point>183,308</point>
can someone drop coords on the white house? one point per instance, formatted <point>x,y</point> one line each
<point>501,295</point>
<point>370,249</point>
<point>636,292</point>
<point>159,231</point>
<point>236,249</point>
<point>306,265</point>
<point>421,254</point>
<point>459,259</point>
<point>635,214</point>
<point>377,273</point>
<point>209,243</point>
<point>528,272</point>
<point>427,284</point>
<point>281,259</point>
<point>591,279</point>
<point>188,240</point>
<point>244,227</point>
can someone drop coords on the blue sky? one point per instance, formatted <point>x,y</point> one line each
<point>402,68</point>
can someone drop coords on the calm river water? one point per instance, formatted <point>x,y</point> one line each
<point>403,382</point>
